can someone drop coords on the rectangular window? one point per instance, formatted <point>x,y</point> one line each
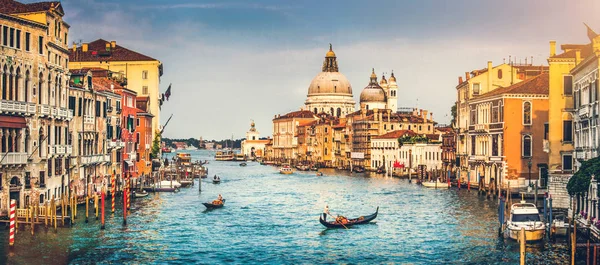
<point>12,38</point>
<point>50,167</point>
<point>80,106</point>
<point>567,131</point>
<point>27,180</point>
<point>5,35</point>
<point>473,145</point>
<point>98,109</point>
<point>144,74</point>
<point>476,89</point>
<point>41,45</point>
<point>145,90</point>
<point>104,109</point>
<point>567,162</point>
<point>138,122</point>
<point>546,131</point>
<point>27,41</point>
<point>18,39</point>
<point>72,103</point>
<point>495,145</point>
<point>568,85</point>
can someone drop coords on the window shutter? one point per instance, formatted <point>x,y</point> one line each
<point>80,106</point>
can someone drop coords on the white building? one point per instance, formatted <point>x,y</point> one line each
<point>386,150</point>
<point>253,147</point>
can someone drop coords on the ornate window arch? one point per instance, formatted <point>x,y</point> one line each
<point>527,146</point>
<point>527,108</point>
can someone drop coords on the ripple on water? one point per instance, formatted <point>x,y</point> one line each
<point>273,218</point>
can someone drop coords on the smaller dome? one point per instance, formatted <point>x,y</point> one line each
<point>373,92</point>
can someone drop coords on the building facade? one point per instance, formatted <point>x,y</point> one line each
<point>253,147</point>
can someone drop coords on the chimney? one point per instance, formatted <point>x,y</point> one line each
<point>107,45</point>
<point>489,78</point>
<point>74,47</point>
<point>113,44</point>
<point>467,76</point>
<point>552,48</point>
<point>460,80</point>
<point>577,57</point>
<point>425,114</point>
<point>489,66</point>
<point>84,47</point>
<point>431,116</point>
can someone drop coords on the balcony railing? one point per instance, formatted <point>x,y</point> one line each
<point>88,119</point>
<point>44,110</point>
<point>60,149</point>
<point>583,111</point>
<point>14,158</point>
<point>16,107</point>
<point>481,127</point>
<point>94,159</point>
<point>477,157</point>
<point>68,149</point>
<point>51,151</point>
<point>54,111</point>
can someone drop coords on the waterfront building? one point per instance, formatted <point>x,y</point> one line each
<point>448,149</point>
<point>330,91</point>
<point>385,149</point>
<point>141,71</point>
<point>586,113</point>
<point>143,128</point>
<point>341,145</point>
<point>560,121</point>
<point>285,140</point>
<point>34,118</point>
<point>89,124</point>
<point>253,147</point>
<point>125,131</point>
<point>500,120</point>
<point>479,82</point>
<point>320,140</point>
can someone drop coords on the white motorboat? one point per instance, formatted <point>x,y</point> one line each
<point>140,193</point>
<point>435,184</point>
<point>560,226</point>
<point>525,215</point>
<point>167,184</point>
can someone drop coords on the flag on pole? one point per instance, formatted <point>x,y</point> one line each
<point>590,32</point>
<point>168,93</point>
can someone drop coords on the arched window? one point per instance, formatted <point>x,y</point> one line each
<point>11,84</point>
<point>499,73</point>
<point>4,81</point>
<point>527,146</point>
<point>39,94</point>
<point>55,90</point>
<point>339,112</point>
<point>27,142</point>
<point>59,92</point>
<point>315,110</point>
<point>527,113</point>
<point>18,79</point>
<point>367,107</point>
<point>325,151</point>
<point>49,89</point>
<point>40,138</point>
<point>26,86</point>
<point>332,112</point>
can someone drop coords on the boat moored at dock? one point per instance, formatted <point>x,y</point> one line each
<point>525,215</point>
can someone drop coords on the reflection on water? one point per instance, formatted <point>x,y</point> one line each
<point>273,218</point>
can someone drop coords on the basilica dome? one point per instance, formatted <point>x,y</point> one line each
<point>373,92</point>
<point>330,83</point>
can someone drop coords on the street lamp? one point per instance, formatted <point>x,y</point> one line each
<point>529,166</point>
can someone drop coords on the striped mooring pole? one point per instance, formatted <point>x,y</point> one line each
<point>113,191</point>
<point>11,238</point>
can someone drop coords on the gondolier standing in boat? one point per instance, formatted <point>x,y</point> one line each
<point>326,210</point>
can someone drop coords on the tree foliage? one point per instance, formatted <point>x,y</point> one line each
<point>453,113</point>
<point>418,139</point>
<point>580,181</point>
<point>155,146</point>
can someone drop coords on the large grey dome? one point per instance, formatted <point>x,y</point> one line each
<point>330,83</point>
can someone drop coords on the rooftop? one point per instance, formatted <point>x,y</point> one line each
<point>97,51</point>
<point>537,85</point>
<point>396,134</point>
<point>14,7</point>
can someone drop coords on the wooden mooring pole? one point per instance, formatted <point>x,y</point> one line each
<point>522,245</point>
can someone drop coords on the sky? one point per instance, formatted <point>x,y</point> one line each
<point>231,62</point>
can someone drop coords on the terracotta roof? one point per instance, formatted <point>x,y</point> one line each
<point>444,129</point>
<point>14,7</point>
<point>586,50</point>
<point>536,85</point>
<point>297,114</point>
<point>304,123</point>
<point>396,134</point>
<point>340,125</point>
<point>433,136</point>
<point>104,84</point>
<point>97,52</point>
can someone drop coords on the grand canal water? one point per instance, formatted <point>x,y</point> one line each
<point>273,218</point>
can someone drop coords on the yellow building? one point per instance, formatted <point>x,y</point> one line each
<point>285,138</point>
<point>142,72</point>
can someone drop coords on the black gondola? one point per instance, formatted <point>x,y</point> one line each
<point>216,181</point>
<point>351,222</point>
<point>243,164</point>
<point>358,169</point>
<point>213,206</point>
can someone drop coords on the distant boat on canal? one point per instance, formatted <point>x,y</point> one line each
<point>435,184</point>
<point>214,204</point>
<point>525,215</point>
<point>350,222</point>
<point>286,169</point>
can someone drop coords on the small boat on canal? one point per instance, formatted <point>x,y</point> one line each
<point>525,215</point>
<point>358,169</point>
<point>214,204</point>
<point>435,184</point>
<point>216,180</point>
<point>351,222</point>
<point>186,183</point>
<point>286,169</point>
<point>560,226</point>
<point>141,193</point>
<point>243,164</point>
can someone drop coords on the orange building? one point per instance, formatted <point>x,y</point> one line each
<point>143,137</point>
<point>507,128</point>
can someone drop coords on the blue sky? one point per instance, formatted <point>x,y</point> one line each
<point>233,61</point>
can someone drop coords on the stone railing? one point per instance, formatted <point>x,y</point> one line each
<point>60,149</point>
<point>16,107</point>
<point>68,149</point>
<point>88,119</point>
<point>44,110</point>
<point>14,158</point>
<point>94,159</point>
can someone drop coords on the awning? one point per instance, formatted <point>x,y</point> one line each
<point>12,122</point>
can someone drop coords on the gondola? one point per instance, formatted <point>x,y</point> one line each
<point>213,206</point>
<point>243,164</point>
<point>141,194</point>
<point>217,181</point>
<point>351,222</point>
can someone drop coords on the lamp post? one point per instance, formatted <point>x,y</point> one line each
<point>529,166</point>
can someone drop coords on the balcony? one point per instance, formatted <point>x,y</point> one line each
<point>94,159</point>
<point>54,111</point>
<point>481,127</point>
<point>60,149</point>
<point>14,159</point>
<point>51,151</point>
<point>498,125</point>
<point>148,145</point>
<point>583,111</point>
<point>44,110</point>
<point>68,149</point>
<point>477,158</point>
<point>16,107</point>
<point>88,119</point>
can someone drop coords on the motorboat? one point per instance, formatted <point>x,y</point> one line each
<point>358,169</point>
<point>225,155</point>
<point>166,184</point>
<point>243,164</point>
<point>286,169</point>
<point>525,215</point>
<point>140,193</point>
<point>186,183</point>
<point>559,226</point>
<point>435,184</point>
